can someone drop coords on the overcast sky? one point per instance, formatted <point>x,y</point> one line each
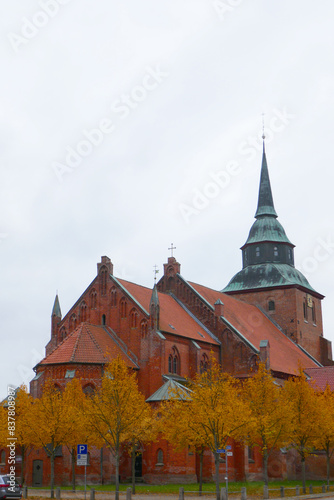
<point>126,126</point>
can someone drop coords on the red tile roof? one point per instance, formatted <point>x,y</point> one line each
<point>87,344</point>
<point>173,318</point>
<point>255,326</point>
<point>320,377</point>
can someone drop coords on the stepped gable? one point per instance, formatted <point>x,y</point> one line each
<point>321,377</point>
<point>173,318</point>
<point>87,344</point>
<point>255,326</point>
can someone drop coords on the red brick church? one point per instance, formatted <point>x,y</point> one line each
<point>268,311</point>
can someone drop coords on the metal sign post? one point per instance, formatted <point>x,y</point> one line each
<point>82,453</point>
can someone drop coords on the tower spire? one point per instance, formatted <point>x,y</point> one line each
<point>265,206</point>
<point>56,311</point>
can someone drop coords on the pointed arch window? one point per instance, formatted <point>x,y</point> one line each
<point>73,322</point>
<point>62,334</point>
<point>275,251</point>
<point>83,311</point>
<point>271,305</point>
<point>93,299</point>
<point>113,297</point>
<point>204,364</point>
<point>160,457</point>
<point>133,318</point>
<point>103,282</point>
<point>123,308</point>
<point>143,329</point>
<point>174,362</point>
<point>257,252</point>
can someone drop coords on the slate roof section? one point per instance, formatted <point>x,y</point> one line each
<point>174,318</point>
<point>268,275</point>
<point>88,344</point>
<point>265,202</point>
<point>267,229</point>
<point>170,390</point>
<point>252,326</point>
<point>321,377</point>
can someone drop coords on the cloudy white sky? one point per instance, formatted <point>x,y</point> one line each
<point>117,119</point>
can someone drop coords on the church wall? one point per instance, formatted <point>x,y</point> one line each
<point>289,314</point>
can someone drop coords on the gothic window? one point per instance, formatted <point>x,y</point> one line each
<point>257,251</point>
<point>160,457</point>
<point>133,318</point>
<point>113,297</point>
<point>143,329</point>
<point>174,362</point>
<point>93,299</point>
<point>275,252</point>
<point>170,363</point>
<point>123,308</point>
<point>204,364</point>
<point>251,456</point>
<point>73,322</point>
<point>89,390</point>
<point>313,313</point>
<point>271,305</point>
<point>62,334</point>
<point>83,311</point>
<point>103,319</point>
<point>305,310</point>
<point>103,274</point>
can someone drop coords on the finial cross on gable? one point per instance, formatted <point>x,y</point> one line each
<point>171,249</point>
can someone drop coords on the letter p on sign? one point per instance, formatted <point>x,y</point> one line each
<point>82,449</point>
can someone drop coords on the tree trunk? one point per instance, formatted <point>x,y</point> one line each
<point>73,468</point>
<point>217,474</point>
<point>133,471</point>
<point>328,460</point>
<point>23,451</point>
<point>265,467</point>
<point>52,479</point>
<point>201,456</point>
<point>117,475</point>
<point>303,472</point>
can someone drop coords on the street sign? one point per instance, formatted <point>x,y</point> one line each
<point>229,447</point>
<point>82,453</point>
<point>229,453</point>
<point>220,451</point>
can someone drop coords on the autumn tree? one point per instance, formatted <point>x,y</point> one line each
<point>325,439</point>
<point>50,423</point>
<point>22,409</point>
<point>145,430</point>
<point>215,413</point>
<point>116,409</point>
<point>269,414</point>
<point>73,401</point>
<point>304,419</point>
<point>177,430</point>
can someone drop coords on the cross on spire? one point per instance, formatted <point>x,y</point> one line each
<point>171,249</point>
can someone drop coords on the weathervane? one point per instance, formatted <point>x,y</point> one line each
<point>171,249</point>
<point>263,134</point>
<point>155,271</point>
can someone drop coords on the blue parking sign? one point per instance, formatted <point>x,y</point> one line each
<point>82,449</point>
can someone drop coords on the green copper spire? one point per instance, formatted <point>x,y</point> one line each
<point>265,204</point>
<point>56,308</point>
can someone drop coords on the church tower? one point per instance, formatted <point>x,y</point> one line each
<point>270,280</point>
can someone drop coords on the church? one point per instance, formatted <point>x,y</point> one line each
<point>267,312</point>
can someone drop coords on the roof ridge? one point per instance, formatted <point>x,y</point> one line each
<point>77,341</point>
<point>196,319</point>
<point>91,335</point>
